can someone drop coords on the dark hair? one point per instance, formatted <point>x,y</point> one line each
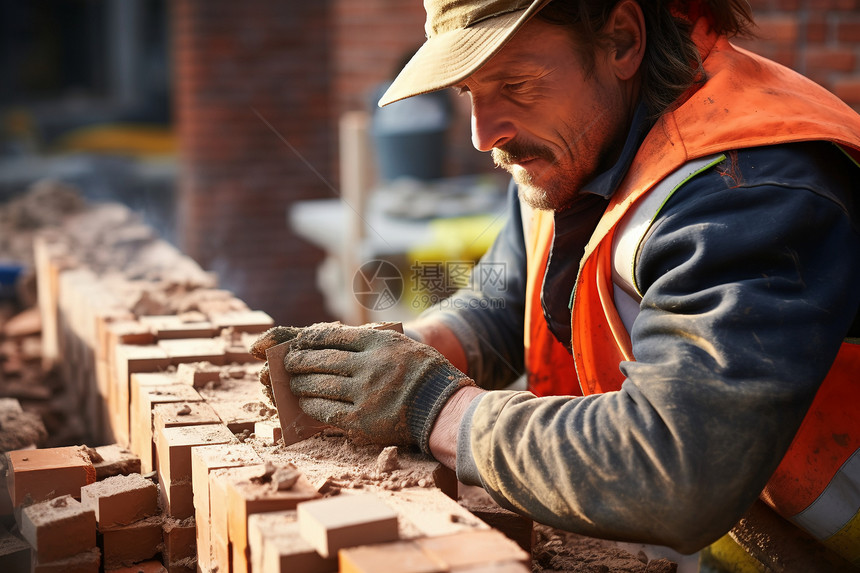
<point>671,64</point>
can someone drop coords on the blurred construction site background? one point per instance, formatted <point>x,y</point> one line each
<point>216,119</point>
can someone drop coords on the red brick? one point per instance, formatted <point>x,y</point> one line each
<point>174,446</point>
<point>785,54</point>
<point>345,521</point>
<point>177,499</point>
<point>222,558</point>
<point>445,479</point>
<point>396,557</point>
<point>848,29</point>
<point>840,5</point>
<point>776,27</point>
<point>149,390</point>
<point>127,544</point>
<point>179,540</point>
<point>471,548</point>
<point>176,414</point>
<point>275,545</point>
<point>46,473</point>
<point>247,497</point>
<point>243,321</point>
<point>817,28</point>
<point>822,78</point>
<point>848,90</point>
<point>295,424</point>
<point>198,374</point>
<point>121,500</point>
<point>115,460</point>
<point>445,517</point>
<point>194,350</point>
<point>128,332</point>
<point>175,326</point>
<point>150,566</point>
<point>221,550</point>
<point>128,360</point>
<point>203,460</point>
<point>268,431</point>
<point>516,527</point>
<point>238,401</point>
<point>506,567</point>
<point>58,528</point>
<point>85,562</point>
<point>833,59</point>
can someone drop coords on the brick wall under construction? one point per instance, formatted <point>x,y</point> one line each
<point>172,458</point>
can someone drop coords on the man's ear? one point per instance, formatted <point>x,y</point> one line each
<point>626,29</point>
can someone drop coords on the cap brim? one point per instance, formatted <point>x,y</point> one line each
<point>449,58</point>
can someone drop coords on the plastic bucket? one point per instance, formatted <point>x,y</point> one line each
<point>417,155</point>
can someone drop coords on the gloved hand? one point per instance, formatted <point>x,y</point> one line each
<point>378,385</point>
<point>272,337</point>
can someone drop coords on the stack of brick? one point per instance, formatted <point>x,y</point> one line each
<point>44,487</point>
<point>233,484</point>
<point>116,300</point>
<point>62,534</point>
<point>362,533</point>
<point>20,355</point>
<point>128,518</point>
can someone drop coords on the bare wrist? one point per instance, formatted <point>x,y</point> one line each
<point>443,436</point>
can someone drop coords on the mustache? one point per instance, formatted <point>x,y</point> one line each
<point>516,152</point>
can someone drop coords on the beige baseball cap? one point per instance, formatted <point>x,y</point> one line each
<point>461,36</point>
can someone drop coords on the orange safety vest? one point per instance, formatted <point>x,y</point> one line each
<point>748,101</point>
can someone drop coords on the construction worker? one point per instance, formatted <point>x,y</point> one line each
<point>681,267</point>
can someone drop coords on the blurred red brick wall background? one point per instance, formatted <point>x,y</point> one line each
<point>260,85</point>
<point>818,38</point>
<point>253,111</point>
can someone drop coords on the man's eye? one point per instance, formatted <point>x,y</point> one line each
<point>516,86</point>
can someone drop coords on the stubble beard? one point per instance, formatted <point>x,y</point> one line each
<point>533,196</point>
<point>548,196</point>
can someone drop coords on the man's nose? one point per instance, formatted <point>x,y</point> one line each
<point>491,127</point>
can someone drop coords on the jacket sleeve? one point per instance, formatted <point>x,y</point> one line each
<point>488,316</point>
<point>750,282</point>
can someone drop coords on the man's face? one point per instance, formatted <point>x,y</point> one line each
<point>546,123</point>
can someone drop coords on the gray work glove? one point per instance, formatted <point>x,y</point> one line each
<point>378,385</point>
<point>272,337</point>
